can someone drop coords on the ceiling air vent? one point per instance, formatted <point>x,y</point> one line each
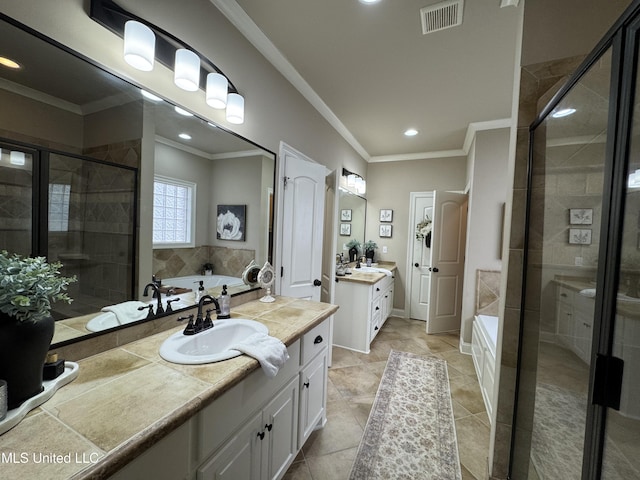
<point>441,16</point>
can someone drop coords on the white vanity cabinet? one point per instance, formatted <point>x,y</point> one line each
<point>364,307</point>
<point>574,314</point>
<point>255,429</point>
<point>264,447</point>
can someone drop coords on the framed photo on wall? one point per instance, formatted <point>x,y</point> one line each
<point>345,215</point>
<point>345,229</point>
<point>580,236</point>
<point>386,215</point>
<point>385,230</point>
<point>231,222</point>
<point>581,216</point>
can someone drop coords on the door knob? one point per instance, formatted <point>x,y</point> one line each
<point>317,283</point>
<point>434,269</point>
<point>416,264</point>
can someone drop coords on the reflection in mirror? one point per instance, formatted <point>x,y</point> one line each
<point>73,139</point>
<point>351,217</point>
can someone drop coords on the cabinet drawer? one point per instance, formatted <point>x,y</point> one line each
<point>314,341</point>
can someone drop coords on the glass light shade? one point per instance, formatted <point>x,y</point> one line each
<point>187,70</point>
<point>235,108</point>
<point>16,158</point>
<point>351,180</point>
<point>361,185</point>
<point>139,46</point>
<point>216,90</point>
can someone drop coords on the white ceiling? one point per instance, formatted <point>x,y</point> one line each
<point>373,74</point>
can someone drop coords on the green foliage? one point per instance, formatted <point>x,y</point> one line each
<point>28,286</point>
<point>354,243</point>
<point>370,245</point>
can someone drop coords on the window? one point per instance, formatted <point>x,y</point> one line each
<point>173,208</point>
<point>59,207</point>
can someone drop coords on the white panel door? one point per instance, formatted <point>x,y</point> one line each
<point>422,208</point>
<point>301,220</point>
<point>447,261</point>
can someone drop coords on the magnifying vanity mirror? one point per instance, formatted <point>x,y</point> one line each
<point>352,211</point>
<point>78,148</point>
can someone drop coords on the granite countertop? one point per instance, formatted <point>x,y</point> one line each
<point>368,278</point>
<point>128,398</point>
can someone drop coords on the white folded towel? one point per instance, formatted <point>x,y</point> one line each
<point>269,351</point>
<point>588,292</point>
<point>127,312</point>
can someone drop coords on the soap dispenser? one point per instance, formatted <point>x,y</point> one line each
<point>200,291</point>
<point>224,300</point>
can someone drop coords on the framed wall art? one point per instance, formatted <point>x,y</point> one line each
<point>231,222</point>
<point>345,215</point>
<point>345,229</point>
<point>385,230</point>
<point>386,215</point>
<point>581,216</point>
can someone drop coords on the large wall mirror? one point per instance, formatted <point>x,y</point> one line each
<point>352,210</point>
<point>78,149</point>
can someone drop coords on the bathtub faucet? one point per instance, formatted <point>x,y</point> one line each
<point>156,294</point>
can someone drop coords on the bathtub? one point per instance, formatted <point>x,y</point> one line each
<point>483,350</point>
<point>210,281</point>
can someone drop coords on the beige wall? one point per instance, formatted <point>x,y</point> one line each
<point>388,186</point>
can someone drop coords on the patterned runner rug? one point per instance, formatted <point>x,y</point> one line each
<point>410,433</point>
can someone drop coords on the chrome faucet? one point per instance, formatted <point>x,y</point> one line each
<point>156,294</point>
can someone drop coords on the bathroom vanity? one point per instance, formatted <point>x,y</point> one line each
<point>366,301</point>
<point>130,414</point>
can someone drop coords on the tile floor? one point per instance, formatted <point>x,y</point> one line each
<point>353,382</point>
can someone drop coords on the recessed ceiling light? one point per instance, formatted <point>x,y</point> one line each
<point>368,2</point>
<point>185,136</point>
<point>182,111</point>
<point>7,62</point>
<point>150,96</point>
<point>563,112</point>
<point>411,132</point>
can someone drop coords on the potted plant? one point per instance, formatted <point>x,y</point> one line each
<point>354,248</point>
<point>207,269</point>
<point>28,287</point>
<point>370,249</point>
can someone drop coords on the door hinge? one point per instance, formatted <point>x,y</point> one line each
<point>281,271</point>
<point>285,179</point>
<point>607,386</point>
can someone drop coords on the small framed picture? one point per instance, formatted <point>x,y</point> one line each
<point>345,215</point>
<point>580,236</point>
<point>385,230</point>
<point>386,215</point>
<point>345,229</point>
<point>581,216</point>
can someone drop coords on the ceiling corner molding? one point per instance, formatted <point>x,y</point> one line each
<point>239,18</point>
<point>475,127</point>
<point>418,156</point>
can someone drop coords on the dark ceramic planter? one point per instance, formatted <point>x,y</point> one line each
<point>23,351</point>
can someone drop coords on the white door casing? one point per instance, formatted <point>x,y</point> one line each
<point>300,218</point>
<point>420,257</point>
<point>447,261</point>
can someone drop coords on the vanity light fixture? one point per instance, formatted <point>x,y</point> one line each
<point>351,180</point>
<point>7,62</point>
<point>16,158</point>
<point>563,112</point>
<point>411,132</point>
<point>355,181</point>
<point>235,108</point>
<point>217,90</point>
<point>361,185</point>
<point>139,45</point>
<point>144,43</point>
<point>186,74</point>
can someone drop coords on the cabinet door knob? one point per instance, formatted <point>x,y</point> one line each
<point>261,435</point>
<point>376,328</point>
<point>317,283</point>
<point>416,264</point>
<point>318,340</point>
<point>377,308</point>
<point>269,427</point>
<point>377,289</point>
<point>306,384</point>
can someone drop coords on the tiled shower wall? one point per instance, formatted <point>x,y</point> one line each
<point>180,262</point>
<point>537,85</point>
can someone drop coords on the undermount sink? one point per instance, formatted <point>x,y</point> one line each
<point>212,345</point>
<point>364,269</point>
